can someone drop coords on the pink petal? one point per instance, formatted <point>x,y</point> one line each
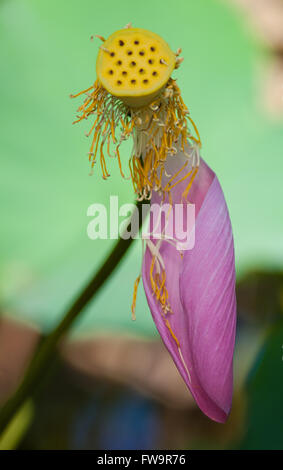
<point>201,289</point>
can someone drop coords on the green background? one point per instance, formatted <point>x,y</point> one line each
<point>45,190</point>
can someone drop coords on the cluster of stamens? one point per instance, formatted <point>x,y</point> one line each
<point>157,130</point>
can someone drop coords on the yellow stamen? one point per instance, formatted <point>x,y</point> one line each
<point>81,92</point>
<point>100,37</point>
<point>133,308</point>
<point>167,323</point>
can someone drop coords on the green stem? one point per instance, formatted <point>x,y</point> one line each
<point>45,352</point>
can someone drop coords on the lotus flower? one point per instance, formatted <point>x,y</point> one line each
<point>191,298</point>
<point>199,329</point>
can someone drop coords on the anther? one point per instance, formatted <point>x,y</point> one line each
<point>99,37</point>
<point>179,60</point>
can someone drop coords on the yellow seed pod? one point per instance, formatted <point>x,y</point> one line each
<point>135,64</point>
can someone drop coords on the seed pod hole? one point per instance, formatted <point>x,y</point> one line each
<point>119,82</point>
<point>136,42</point>
<point>119,62</point>
<point>124,72</point>
<point>110,72</point>
<point>154,73</point>
<point>133,64</point>
<point>141,53</point>
<point>112,54</point>
<point>121,43</point>
<point>152,48</point>
<point>150,61</point>
<point>145,81</point>
<point>141,71</point>
<point>133,81</point>
<point>129,52</point>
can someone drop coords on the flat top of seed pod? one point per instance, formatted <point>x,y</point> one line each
<point>134,62</point>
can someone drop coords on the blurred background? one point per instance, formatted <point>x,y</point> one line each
<point>114,386</point>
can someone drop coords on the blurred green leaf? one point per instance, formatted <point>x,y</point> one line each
<point>264,394</point>
<point>45,189</point>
